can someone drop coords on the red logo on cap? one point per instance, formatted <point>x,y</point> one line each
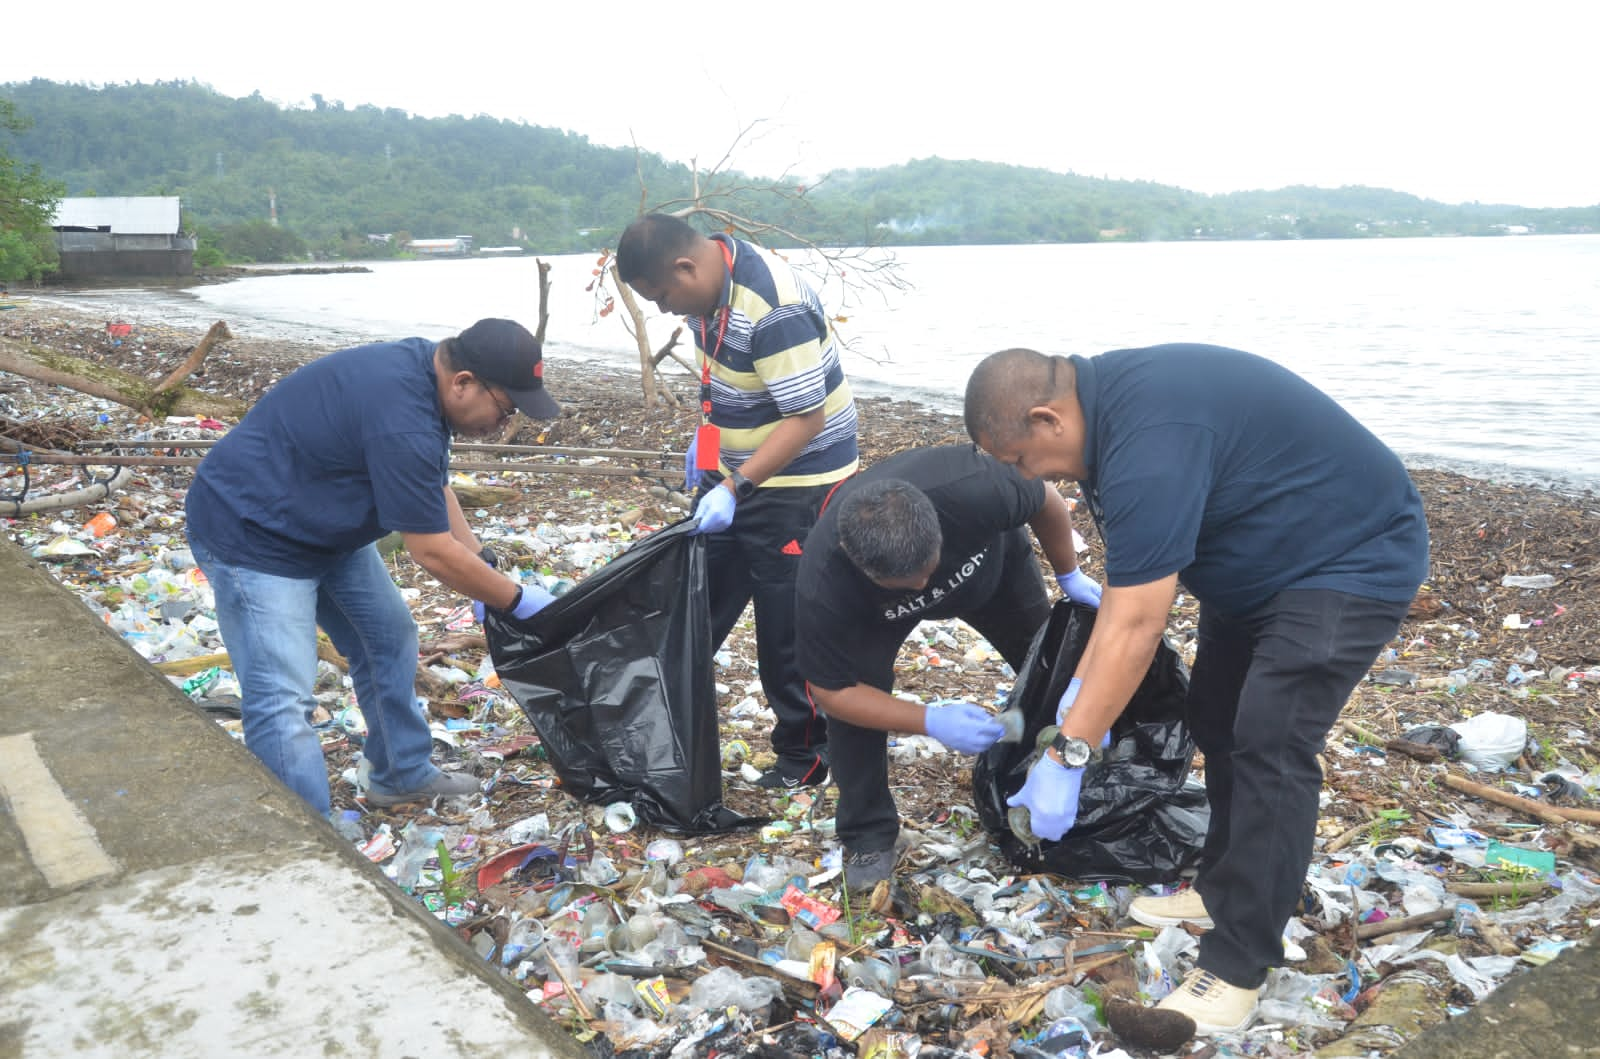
<point>538,369</point>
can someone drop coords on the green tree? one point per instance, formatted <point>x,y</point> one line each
<point>27,203</point>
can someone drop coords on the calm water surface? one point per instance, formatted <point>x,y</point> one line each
<point>1480,355</point>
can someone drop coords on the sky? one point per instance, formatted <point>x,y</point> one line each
<point>1456,101</point>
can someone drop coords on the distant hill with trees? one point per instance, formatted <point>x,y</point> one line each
<point>340,174</point>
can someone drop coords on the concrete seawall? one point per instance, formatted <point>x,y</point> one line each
<point>162,894</point>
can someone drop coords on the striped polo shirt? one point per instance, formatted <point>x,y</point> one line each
<point>776,357</point>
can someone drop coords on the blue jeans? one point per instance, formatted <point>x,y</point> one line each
<point>269,625</point>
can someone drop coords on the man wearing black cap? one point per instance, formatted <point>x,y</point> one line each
<point>284,515</point>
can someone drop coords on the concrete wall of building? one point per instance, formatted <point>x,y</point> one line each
<point>101,254</point>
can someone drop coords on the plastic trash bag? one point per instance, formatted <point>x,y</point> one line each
<point>616,678</point>
<point>1491,741</point>
<point>1138,818</point>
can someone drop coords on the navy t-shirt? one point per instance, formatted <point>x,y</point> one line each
<point>848,629</point>
<point>340,452</point>
<point>1242,478</point>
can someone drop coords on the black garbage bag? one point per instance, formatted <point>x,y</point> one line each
<point>1448,740</point>
<point>616,677</point>
<point>1139,817</point>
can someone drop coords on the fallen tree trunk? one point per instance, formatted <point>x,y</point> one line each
<point>98,380</point>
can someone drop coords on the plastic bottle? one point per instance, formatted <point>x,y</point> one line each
<point>880,976</point>
<point>417,845</point>
<point>1065,1001</point>
<point>799,943</point>
<point>348,824</point>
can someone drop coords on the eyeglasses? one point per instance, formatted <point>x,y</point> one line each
<point>506,410</point>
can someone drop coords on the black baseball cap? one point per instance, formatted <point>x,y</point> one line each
<point>506,354</point>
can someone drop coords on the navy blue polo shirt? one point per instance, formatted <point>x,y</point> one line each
<point>1243,479</point>
<point>339,453</point>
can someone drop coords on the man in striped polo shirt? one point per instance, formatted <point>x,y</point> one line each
<point>778,432</point>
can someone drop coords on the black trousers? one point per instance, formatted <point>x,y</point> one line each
<point>756,559</point>
<point>1264,691</point>
<point>867,819</point>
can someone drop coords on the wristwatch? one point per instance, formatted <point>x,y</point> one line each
<point>743,488</point>
<point>1075,753</point>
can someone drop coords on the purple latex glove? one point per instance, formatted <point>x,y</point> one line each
<point>714,513</point>
<point>532,601</point>
<point>691,473</point>
<point>1051,796</point>
<point>1080,588</point>
<point>1070,696</point>
<point>962,726</point>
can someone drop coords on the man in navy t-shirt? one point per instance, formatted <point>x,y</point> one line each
<point>283,518</point>
<point>1304,541</point>
<point>927,533</point>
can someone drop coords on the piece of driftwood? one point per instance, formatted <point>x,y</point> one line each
<point>1550,814</point>
<point>61,501</point>
<point>99,380</point>
<point>1368,931</point>
<point>197,357</point>
<point>1486,890</point>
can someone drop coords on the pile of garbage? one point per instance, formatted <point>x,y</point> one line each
<point>1456,850</point>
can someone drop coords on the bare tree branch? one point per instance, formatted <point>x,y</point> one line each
<point>721,198</point>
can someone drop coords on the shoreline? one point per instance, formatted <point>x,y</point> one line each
<point>135,303</point>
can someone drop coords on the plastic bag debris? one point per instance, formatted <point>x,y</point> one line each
<point>1491,741</point>
<point>616,677</point>
<point>1528,581</point>
<point>1139,820</point>
<point>724,987</point>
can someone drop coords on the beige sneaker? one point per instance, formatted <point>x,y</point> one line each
<point>1215,1006</point>
<point>1185,906</point>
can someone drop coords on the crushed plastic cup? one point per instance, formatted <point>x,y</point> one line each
<point>668,851</point>
<point>620,817</point>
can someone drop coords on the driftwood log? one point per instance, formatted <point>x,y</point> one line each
<point>165,398</point>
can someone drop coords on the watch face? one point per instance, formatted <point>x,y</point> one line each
<point>1074,752</point>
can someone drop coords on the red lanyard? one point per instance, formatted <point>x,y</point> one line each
<point>709,351</point>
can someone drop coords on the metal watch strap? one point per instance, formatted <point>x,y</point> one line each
<point>1059,745</point>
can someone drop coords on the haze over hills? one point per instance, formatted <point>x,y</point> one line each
<point>337,174</point>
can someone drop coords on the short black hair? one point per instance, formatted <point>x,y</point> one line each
<point>651,244</point>
<point>889,529</point>
<point>1005,385</point>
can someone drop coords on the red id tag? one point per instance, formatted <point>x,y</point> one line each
<point>707,448</point>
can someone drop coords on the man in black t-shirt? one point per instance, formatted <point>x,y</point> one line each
<point>1303,540</point>
<point>927,533</point>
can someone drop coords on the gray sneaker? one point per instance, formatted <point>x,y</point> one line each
<point>448,784</point>
<point>865,869</point>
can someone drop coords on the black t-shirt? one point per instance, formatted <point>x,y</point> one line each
<point>1242,478</point>
<point>849,629</point>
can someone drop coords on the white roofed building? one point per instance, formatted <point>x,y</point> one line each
<point>122,236</point>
